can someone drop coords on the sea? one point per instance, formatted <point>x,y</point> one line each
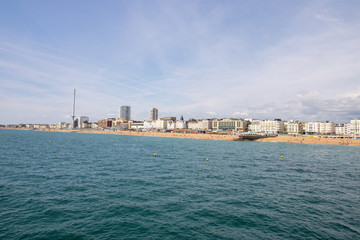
<point>61,185</point>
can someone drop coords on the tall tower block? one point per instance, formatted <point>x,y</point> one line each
<point>125,112</point>
<point>154,114</point>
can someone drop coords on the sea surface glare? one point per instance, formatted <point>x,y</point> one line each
<point>114,187</point>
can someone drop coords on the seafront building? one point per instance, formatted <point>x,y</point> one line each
<point>120,124</point>
<point>254,125</point>
<point>63,125</point>
<point>229,124</point>
<point>83,120</point>
<point>327,127</point>
<point>204,124</point>
<point>136,125</point>
<point>105,123</point>
<point>355,126</point>
<point>351,129</point>
<point>125,112</point>
<point>166,123</point>
<point>272,126</point>
<point>324,128</point>
<point>181,124</point>
<point>312,127</point>
<point>343,129</point>
<point>154,112</point>
<point>161,124</point>
<point>294,127</point>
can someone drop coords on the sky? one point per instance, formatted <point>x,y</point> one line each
<point>264,59</point>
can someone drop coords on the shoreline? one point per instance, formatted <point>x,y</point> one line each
<point>278,138</point>
<point>312,140</point>
<point>150,134</point>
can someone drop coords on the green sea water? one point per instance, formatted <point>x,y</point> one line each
<point>112,187</point>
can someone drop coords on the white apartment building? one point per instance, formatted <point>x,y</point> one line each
<point>312,127</point>
<point>294,127</point>
<point>272,126</point>
<point>171,125</point>
<point>320,127</point>
<point>343,129</point>
<point>255,126</point>
<point>200,124</point>
<point>181,124</point>
<point>161,124</point>
<point>355,126</point>
<point>327,127</point>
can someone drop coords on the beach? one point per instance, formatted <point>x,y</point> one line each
<point>312,140</point>
<point>220,137</point>
<point>157,134</point>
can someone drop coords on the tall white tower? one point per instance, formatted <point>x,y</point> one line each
<point>125,112</point>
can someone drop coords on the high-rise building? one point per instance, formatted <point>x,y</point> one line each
<point>125,112</point>
<point>154,114</point>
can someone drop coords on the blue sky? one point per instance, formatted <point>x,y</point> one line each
<point>246,59</point>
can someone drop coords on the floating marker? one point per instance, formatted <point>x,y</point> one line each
<point>282,156</point>
<point>154,154</point>
<point>207,159</point>
<point>62,145</point>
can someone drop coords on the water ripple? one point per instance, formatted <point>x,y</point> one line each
<point>111,187</point>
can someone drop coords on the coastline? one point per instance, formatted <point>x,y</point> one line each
<point>312,140</point>
<point>149,134</point>
<point>279,138</point>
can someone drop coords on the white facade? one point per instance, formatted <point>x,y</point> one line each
<point>327,128</point>
<point>200,125</point>
<point>355,127</point>
<point>312,127</point>
<point>171,125</point>
<point>180,124</point>
<point>161,124</point>
<point>148,125</point>
<point>343,129</point>
<point>294,127</point>
<point>255,126</point>
<point>272,126</point>
<point>320,127</point>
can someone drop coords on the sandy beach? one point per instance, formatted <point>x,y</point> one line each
<point>279,138</point>
<point>311,140</point>
<point>156,134</point>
